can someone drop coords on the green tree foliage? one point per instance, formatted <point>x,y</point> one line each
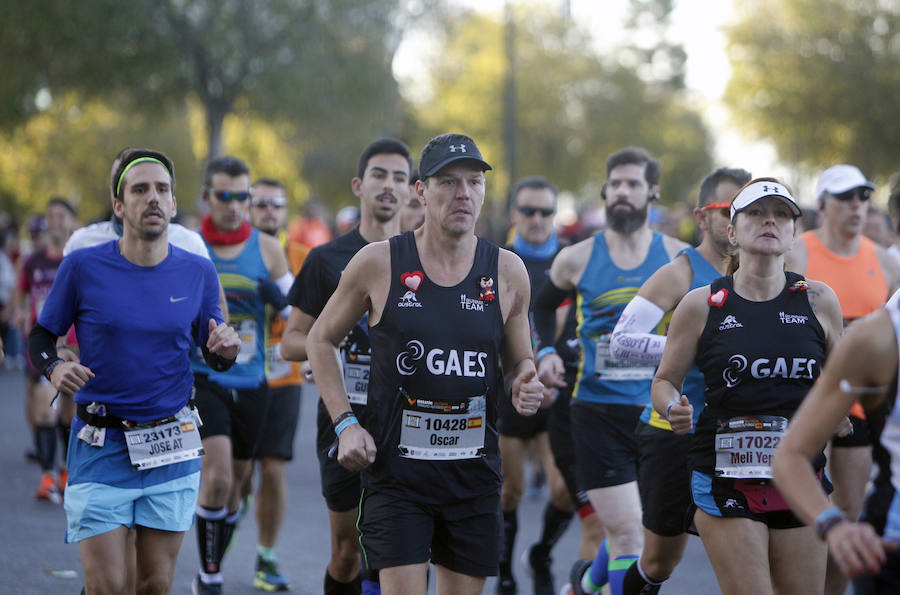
<point>68,148</point>
<point>573,107</point>
<point>659,60</point>
<point>310,60</point>
<point>318,71</point>
<point>821,78</point>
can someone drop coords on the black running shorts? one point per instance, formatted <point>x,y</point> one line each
<point>463,536</point>
<point>511,423</point>
<point>340,487</point>
<point>664,480</point>
<point>606,453</point>
<point>238,414</point>
<point>277,439</point>
<point>559,430</point>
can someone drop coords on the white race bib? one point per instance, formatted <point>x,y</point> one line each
<point>443,430</point>
<point>746,444</point>
<point>247,332</point>
<point>607,368</point>
<point>356,381</point>
<point>166,443</point>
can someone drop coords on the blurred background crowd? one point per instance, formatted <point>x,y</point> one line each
<point>546,87</point>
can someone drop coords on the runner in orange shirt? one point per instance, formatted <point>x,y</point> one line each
<point>863,275</point>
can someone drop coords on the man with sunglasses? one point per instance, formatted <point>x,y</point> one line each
<point>381,185</point>
<point>533,203</point>
<point>268,213</point>
<point>863,275</point>
<point>606,270</point>
<point>254,274</point>
<point>663,472</point>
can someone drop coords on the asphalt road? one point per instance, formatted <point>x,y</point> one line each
<point>33,531</point>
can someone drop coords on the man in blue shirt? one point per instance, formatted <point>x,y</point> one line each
<point>137,304</point>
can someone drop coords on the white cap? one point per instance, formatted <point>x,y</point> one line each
<point>347,216</point>
<point>841,178</point>
<point>757,190</point>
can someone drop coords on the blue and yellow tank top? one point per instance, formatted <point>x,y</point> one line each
<point>694,384</point>
<point>603,292</point>
<point>239,277</point>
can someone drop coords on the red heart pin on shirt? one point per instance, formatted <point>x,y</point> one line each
<point>718,298</point>
<point>412,280</point>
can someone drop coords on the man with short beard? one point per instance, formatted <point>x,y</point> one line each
<point>606,271</point>
<point>381,184</point>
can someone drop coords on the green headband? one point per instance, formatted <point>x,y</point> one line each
<point>132,164</point>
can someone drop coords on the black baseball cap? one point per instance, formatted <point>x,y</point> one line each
<point>445,149</point>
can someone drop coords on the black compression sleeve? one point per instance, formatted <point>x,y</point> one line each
<point>41,347</point>
<point>545,305</point>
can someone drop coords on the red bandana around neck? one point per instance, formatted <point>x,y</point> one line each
<point>226,238</point>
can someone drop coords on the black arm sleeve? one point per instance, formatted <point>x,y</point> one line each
<point>41,347</point>
<point>545,305</point>
<point>216,361</point>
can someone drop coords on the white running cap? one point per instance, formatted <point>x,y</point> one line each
<point>841,178</point>
<point>758,190</point>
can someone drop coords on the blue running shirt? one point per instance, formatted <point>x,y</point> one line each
<point>246,313</point>
<point>135,326</point>
<point>603,292</point>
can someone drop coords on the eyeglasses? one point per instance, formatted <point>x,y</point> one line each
<point>530,211</point>
<point>862,192</point>
<point>228,195</point>
<point>275,201</point>
<point>725,207</point>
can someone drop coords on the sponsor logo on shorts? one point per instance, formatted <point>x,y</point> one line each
<point>792,318</point>
<point>729,323</point>
<point>732,503</point>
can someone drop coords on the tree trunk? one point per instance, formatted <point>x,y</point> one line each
<point>215,118</point>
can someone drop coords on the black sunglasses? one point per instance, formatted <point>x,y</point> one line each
<point>278,201</point>
<point>530,211</point>
<point>228,195</point>
<point>862,192</point>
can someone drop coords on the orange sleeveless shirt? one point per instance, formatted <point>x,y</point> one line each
<point>858,280</point>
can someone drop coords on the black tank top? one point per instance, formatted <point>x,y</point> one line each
<point>757,358</point>
<point>436,380</point>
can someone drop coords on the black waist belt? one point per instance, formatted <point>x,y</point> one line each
<point>112,421</point>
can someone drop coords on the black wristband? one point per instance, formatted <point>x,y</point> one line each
<point>216,361</point>
<point>48,369</point>
<point>342,417</point>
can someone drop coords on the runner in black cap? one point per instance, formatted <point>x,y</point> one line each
<point>442,304</point>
